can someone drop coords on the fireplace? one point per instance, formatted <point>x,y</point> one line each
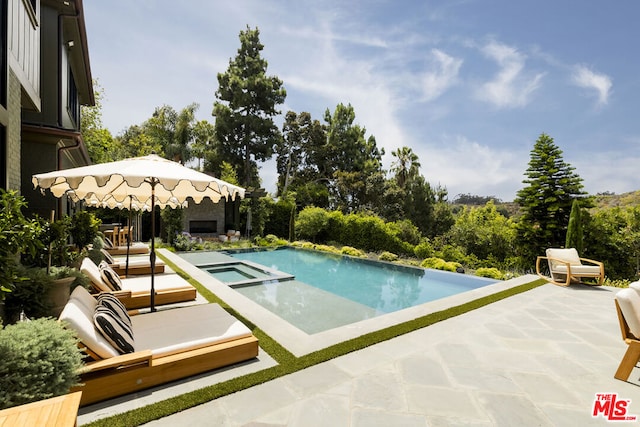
<point>203,227</point>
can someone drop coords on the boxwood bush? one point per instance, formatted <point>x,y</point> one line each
<point>348,250</point>
<point>490,272</point>
<point>439,264</point>
<point>388,256</point>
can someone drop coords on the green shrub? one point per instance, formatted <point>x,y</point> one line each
<point>40,359</point>
<point>183,243</point>
<point>282,218</point>
<point>388,256</point>
<point>326,248</point>
<point>303,244</point>
<point>348,250</point>
<point>406,231</point>
<point>17,235</point>
<point>172,220</point>
<point>439,264</point>
<point>490,272</point>
<point>423,250</point>
<point>311,222</point>
<point>451,253</point>
<point>84,228</point>
<point>30,294</point>
<point>270,240</point>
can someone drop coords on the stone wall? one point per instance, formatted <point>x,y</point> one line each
<point>13,133</point>
<point>206,211</point>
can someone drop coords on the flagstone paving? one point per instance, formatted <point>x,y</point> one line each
<point>537,358</point>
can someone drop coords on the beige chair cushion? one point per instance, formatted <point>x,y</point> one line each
<point>578,270</point>
<point>569,255</point>
<point>629,302</point>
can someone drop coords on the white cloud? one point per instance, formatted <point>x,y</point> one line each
<point>620,177</point>
<point>435,83</point>
<point>465,166</point>
<point>601,83</point>
<point>511,86</point>
<point>326,73</point>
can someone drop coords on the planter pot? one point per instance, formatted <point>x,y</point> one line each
<point>59,295</point>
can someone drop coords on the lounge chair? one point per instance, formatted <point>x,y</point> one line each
<point>167,345</point>
<point>628,309</point>
<point>135,292</point>
<point>137,264</point>
<point>566,266</point>
<point>135,248</point>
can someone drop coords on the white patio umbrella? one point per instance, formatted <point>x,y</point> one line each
<point>109,202</point>
<point>147,181</point>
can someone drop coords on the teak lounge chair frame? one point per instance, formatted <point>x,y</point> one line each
<point>570,272</point>
<point>198,338</point>
<point>632,355</point>
<point>133,299</point>
<point>132,372</point>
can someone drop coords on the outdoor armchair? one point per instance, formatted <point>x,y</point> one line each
<point>566,266</point>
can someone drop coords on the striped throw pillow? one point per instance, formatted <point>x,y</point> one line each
<point>109,276</point>
<point>116,306</point>
<point>114,329</point>
<point>107,256</point>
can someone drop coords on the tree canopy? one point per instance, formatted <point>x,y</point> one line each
<point>245,107</point>
<point>546,200</point>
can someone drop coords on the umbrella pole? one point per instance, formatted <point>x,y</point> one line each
<point>126,268</point>
<point>152,255</point>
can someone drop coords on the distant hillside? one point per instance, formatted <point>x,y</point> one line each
<point>631,198</point>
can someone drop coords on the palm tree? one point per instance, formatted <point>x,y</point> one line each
<point>406,167</point>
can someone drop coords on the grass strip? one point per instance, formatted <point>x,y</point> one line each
<point>287,362</point>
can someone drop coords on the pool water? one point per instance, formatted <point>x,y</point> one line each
<point>330,291</point>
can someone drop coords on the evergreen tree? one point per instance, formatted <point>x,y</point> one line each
<point>574,230</point>
<point>546,200</point>
<point>245,107</point>
<point>99,141</point>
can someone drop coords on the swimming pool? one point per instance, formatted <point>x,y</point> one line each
<point>325,291</point>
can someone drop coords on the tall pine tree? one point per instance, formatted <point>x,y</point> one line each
<point>244,109</point>
<point>574,230</point>
<point>546,200</point>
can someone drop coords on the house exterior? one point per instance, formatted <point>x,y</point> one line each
<point>45,77</point>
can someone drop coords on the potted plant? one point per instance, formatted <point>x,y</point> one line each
<point>17,235</point>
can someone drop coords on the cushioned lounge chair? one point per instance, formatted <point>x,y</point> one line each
<point>135,248</point>
<point>137,264</point>
<point>168,345</point>
<point>566,266</point>
<point>628,309</point>
<point>135,291</point>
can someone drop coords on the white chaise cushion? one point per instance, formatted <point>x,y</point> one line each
<point>173,331</point>
<point>78,316</point>
<point>92,271</point>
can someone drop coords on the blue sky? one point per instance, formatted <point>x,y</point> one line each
<point>469,85</point>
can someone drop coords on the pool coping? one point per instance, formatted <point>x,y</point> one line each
<point>300,343</point>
